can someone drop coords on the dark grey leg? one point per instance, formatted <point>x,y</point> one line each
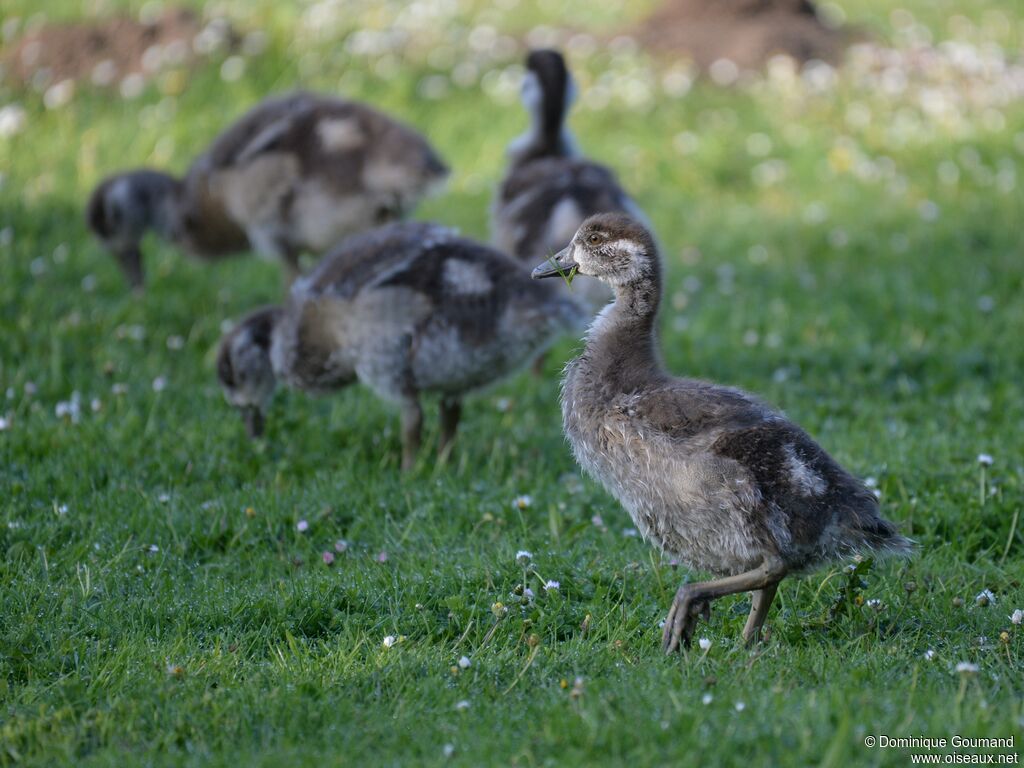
<point>451,410</point>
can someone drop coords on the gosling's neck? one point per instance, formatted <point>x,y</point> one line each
<point>622,346</point>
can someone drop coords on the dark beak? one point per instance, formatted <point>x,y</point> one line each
<point>253,418</point>
<point>560,265</point>
<point>130,259</point>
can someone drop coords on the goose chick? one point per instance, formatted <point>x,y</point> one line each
<point>710,474</point>
<point>548,189</point>
<point>407,309</point>
<point>295,174</point>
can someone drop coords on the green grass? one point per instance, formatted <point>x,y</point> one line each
<point>158,622</point>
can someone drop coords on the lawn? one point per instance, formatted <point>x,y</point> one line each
<point>847,244</point>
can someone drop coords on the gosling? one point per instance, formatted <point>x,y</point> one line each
<point>549,189</point>
<point>294,175</point>
<point>708,473</point>
<point>408,309</point>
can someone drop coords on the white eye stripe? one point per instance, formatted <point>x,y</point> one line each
<point>629,246</point>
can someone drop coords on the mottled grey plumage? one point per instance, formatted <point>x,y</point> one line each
<point>708,473</point>
<point>549,189</point>
<point>295,174</point>
<point>406,309</point>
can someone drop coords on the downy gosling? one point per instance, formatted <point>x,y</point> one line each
<point>408,309</point>
<point>709,474</point>
<point>292,176</point>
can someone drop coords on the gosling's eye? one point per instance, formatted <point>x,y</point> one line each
<point>594,238</point>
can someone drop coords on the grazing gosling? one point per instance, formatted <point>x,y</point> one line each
<point>548,189</point>
<point>407,309</point>
<point>710,474</point>
<point>295,174</point>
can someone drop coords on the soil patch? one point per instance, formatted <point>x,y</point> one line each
<point>108,50</point>
<point>747,32</point>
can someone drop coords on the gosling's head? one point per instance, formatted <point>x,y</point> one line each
<point>548,89</point>
<point>609,246</point>
<point>122,208</point>
<point>244,367</point>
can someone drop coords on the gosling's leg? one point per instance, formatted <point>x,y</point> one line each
<point>693,600</point>
<point>412,428</point>
<point>760,602</point>
<point>451,410</point>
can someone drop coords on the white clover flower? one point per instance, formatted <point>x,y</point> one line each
<point>159,383</point>
<point>985,597</point>
<point>302,526</point>
<point>448,750</point>
<point>390,640</point>
<point>1017,616</point>
<point>707,698</point>
<point>551,585</point>
<point>164,498</point>
<point>522,502</point>
<point>985,459</point>
<point>929,655</point>
<point>462,706</point>
<point>153,549</point>
<point>523,557</point>
<point>967,668</point>
<point>12,120</point>
<point>464,662</point>
<point>740,706</point>
<point>704,643</point>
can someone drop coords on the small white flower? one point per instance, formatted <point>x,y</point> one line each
<point>96,405</point>
<point>232,69</point>
<point>707,698</point>
<point>985,459</point>
<point>528,594</point>
<point>448,750</point>
<point>740,706</point>
<point>1017,616</point>
<point>175,343</point>
<point>12,120</point>
<point>522,502</point>
<point>551,585</point>
<point>5,424</point>
<point>118,389</point>
<point>875,604</point>
<point>704,643</point>
<point>985,597</point>
<point>62,509</point>
<point>302,526</point>
<point>967,668</point>
<point>597,521</point>
<point>159,384</point>
<point>464,662</point>
<point>153,548</point>
<point>503,404</point>
<point>390,640</point>
<point>871,482</point>
<point>164,498</point>
<point>463,705</point>
<point>630,533</point>
<point>523,557</point>
<point>340,545</point>
<point>929,655</point>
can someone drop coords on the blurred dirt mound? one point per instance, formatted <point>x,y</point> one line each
<point>747,32</point>
<point>107,50</point>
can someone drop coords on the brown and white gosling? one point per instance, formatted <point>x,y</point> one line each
<point>710,474</point>
<point>407,309</point>
<point>549,189</point>
<point>293,175</point>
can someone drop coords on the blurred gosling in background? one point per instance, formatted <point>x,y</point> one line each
<point>549,189</point>
<point>408,309</point>
<point>292,176</point>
